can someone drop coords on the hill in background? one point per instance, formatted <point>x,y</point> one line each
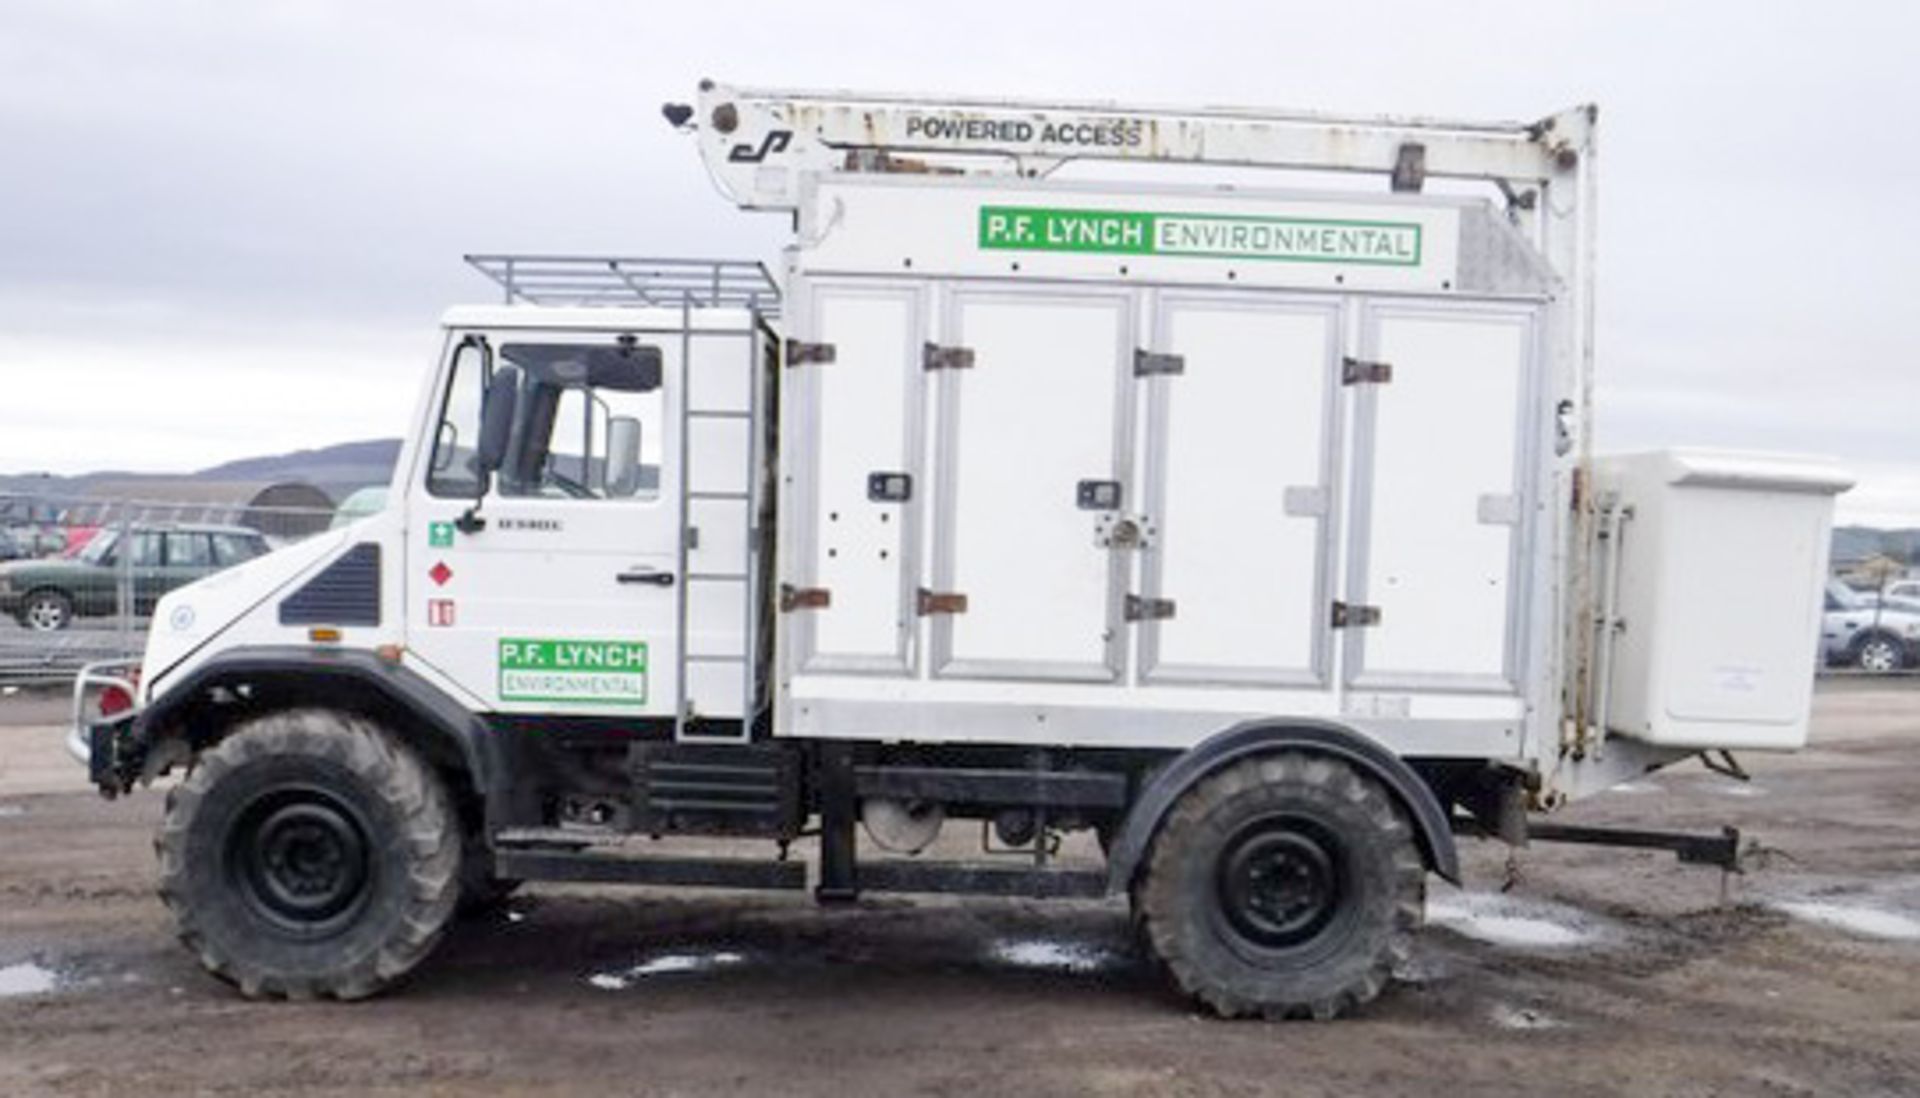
<point>337,470</point>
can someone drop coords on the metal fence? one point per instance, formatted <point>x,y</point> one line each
<point>79,575</point>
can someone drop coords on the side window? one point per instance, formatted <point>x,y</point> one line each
<point>189,551</point>
<point>590,422</point>
<point>453,469</point>
<point>146,549</point>
<point>233,548</point>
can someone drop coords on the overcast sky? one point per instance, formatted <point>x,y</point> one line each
<point>229,228</point>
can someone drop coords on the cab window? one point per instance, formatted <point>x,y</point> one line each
<point>588,421</point>
<point>453,468</point>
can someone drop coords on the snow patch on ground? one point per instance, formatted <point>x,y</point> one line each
<point>1513,1017</point>
<point>667,964</point>
<point>1513,921</point>
<point>1862,919</point>
<point>1636,788</point>
<point>27,978</point>
<point>9,811</point>
<point>1052,956</point>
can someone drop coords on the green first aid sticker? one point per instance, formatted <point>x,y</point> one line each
<point>1207,236</point>
<point>600,672</point>
<point>440,534</point>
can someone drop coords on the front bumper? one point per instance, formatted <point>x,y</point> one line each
<point>108,745</point>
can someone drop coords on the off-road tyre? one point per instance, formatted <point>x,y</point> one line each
<point>1325,939</point>
<point>46,611</point>
<point>291,799</point>
<point>481,893</point>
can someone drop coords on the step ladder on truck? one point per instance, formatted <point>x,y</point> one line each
<point>1255,533</point>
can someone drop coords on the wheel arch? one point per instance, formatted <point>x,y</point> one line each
<point>445,733</point>
<point>1432,830</point>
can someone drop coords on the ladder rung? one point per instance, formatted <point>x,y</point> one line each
<point>697,657</point>
<point>741,496</point>
<point>729,577</point>
<point>716,413</point>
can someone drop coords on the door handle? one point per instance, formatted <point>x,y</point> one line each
<point>646,575</point>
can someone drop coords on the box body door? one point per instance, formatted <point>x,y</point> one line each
<point>1440,506</point>
<point>855,418</point>
<point>1045,407</point>
<point>1241,461</point>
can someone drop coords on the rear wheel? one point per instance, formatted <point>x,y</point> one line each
<point>46,611</point>
<point>1285,886</point>
<point>310,854</point>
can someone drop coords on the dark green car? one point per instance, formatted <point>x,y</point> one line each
<point>45,595</point>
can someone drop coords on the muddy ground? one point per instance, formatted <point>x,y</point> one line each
<point>1599,972</point>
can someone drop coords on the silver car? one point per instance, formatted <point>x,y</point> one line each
<point>1871,634</point>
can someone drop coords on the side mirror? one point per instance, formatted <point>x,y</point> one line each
<point>496,419</point>
<point>623,456</point>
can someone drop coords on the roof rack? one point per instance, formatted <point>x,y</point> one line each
<point>631,280</point>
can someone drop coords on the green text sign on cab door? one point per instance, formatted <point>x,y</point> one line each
<point>609,672</point>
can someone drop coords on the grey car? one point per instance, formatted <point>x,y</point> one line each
<point>1871,634</point>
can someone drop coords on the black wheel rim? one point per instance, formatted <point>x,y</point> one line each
<point>300,860</point>
<point>1282,881</point>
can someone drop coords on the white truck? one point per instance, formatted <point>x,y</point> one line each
<point>1255,531</point>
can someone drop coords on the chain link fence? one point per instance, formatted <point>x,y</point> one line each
<point>80,575</point>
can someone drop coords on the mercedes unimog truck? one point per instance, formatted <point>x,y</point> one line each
<point>1252,530</point>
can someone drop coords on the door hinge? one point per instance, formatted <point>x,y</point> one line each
<point>936,357</point>
<point>1354,615</point>
<point>1358,371</point>
<point>1142,609</point>
<point>941,602</point>
<point>1152,363</point>
<point>800,352</point>
<point>803,598</point>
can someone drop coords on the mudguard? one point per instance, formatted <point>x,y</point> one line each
<point>1429,818</point>
<point>440,728</point>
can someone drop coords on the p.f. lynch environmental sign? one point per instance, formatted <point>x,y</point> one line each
<point>1214,236</point>
<point>568,670</point>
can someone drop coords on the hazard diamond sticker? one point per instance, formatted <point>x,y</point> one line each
<point>440,573</point>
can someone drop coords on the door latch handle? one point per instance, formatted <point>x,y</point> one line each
<point>646,575</point>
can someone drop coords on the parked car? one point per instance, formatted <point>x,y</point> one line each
<point>366,501</point>
<point>10,549</point>
<point>1871,634</point>
<point>46,595</point>
<point>1904,589</point>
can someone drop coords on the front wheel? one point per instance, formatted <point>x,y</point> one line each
<point>1284,886</point>
<point>46,611</point>
<point>1878,653</point>
<point>310,854</point>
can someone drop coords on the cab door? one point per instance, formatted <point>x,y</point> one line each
<point>551,586</point>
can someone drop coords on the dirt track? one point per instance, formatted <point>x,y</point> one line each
<point>1610,972</point>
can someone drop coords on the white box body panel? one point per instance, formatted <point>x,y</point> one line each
<point>1722,561</point>
<point>1266,484</point>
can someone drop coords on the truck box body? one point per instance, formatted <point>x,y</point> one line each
<point>1045,367</point>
